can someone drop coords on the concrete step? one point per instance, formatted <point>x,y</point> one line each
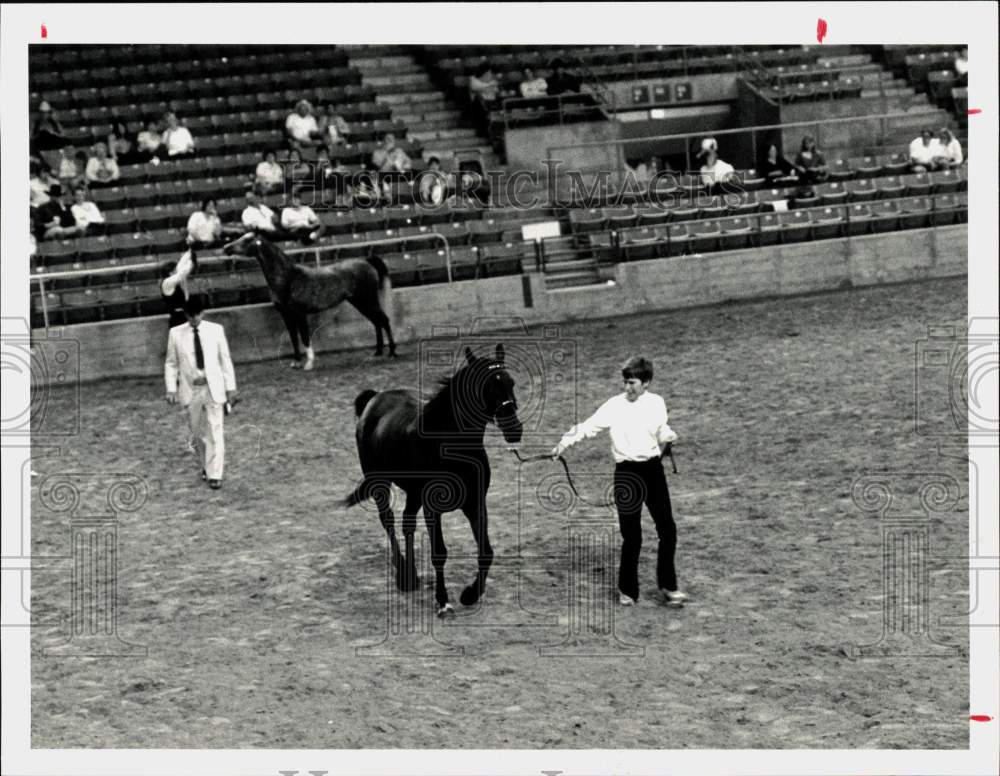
<point>403,82</point>
<point>448,117</point>
<point>571,280</point>
<point>441,131</point>
<point>404,98</point>
<point>847,59</point>
<point>562,266</point>
<point>386,64</point>
<point>367,50</point>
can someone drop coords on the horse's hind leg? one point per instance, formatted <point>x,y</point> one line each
<point>371,309</point>
<point>410,578</point>
<point>439,556</point>
<point>302,321</point>
<point>380,495</point>
<point>290,324</point>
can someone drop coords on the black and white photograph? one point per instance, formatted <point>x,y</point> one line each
<point>526,388</point>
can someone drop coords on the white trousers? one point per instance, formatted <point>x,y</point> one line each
<point>205,417</point>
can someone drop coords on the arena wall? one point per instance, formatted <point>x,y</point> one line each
<point>135,347</point>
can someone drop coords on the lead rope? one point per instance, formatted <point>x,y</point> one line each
<point>668,451</point>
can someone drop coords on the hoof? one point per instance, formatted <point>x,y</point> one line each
<point>469,596</point>
<point>378,353</point>
<point>392,354</point>
<point>296,365</point>
<point>446,612</point>
<point>309,366</point>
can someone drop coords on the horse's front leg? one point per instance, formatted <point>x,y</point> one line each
<point>303,325</point>
<point>411,579</point>
<point>439,556</point>
<point>476,513</point>
<point>293,334</point>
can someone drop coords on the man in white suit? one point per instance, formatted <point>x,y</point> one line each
<point>199,374</point>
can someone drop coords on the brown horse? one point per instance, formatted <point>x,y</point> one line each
<point>435,453</point>
<point>298,290</point>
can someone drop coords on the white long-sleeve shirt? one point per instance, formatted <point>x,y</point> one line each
<point>638,428</point>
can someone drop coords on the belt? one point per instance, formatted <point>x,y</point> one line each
<point>199,381</point>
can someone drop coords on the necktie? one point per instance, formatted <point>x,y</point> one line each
<point>199,354</point>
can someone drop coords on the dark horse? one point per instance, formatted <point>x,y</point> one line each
<point>298,290</point>
<point>435,454</point>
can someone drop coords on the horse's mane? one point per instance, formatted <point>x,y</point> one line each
<point>441,399</point>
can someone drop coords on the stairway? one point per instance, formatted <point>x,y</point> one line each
<point>431,117</point>
<point>569,272</point>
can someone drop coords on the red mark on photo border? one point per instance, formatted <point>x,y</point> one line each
<point>980,718</point>
<point>973,111</point>
<point>820,30</point>
<point>45,32</point>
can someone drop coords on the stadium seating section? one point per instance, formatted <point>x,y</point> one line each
<point>234,99</point>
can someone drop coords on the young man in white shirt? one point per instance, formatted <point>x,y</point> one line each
<point>637,422</point>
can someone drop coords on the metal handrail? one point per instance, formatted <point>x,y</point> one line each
<point>41,277</point>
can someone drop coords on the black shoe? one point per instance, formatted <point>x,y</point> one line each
<point>215,484</point>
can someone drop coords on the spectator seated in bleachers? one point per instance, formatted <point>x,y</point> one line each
<point>810,162</point>
<point>714,171</point>
<point>926,152</point>
<point>177,138</point>
<point>122,145</point>
<point>433,183</point>
<point>269,175</point>
<point>483,86</point>
<point>67,170</point>
<point>101,170</point>
<point>389,157</point>
<point>149,142</point>
<point>257,216</point>
<point>774,165</point>
<point>532,85</point>
<point>562,81</point>
<point>47,134</point>
<point>333,129</point>
<point>962,68</point>
<point>40,184</point>
<point>204,227</point>
<point>300,221</point>
<point>301,126</point>
<point>85,212</point>
<point>55,218</point>
<point>642,171</point>
<point>951,155</point>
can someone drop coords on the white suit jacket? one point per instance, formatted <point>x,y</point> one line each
<point>180,369</point>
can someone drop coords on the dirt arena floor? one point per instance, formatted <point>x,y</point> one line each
<point>269,622</point>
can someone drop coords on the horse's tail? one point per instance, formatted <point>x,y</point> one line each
<point>362,399</point>
<point>359,494</point>
<point>380,268</point>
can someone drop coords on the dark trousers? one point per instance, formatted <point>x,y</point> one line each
<point>635,484</point>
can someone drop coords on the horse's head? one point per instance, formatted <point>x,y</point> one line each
<point>247,245</point>
<point>490,388</point>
